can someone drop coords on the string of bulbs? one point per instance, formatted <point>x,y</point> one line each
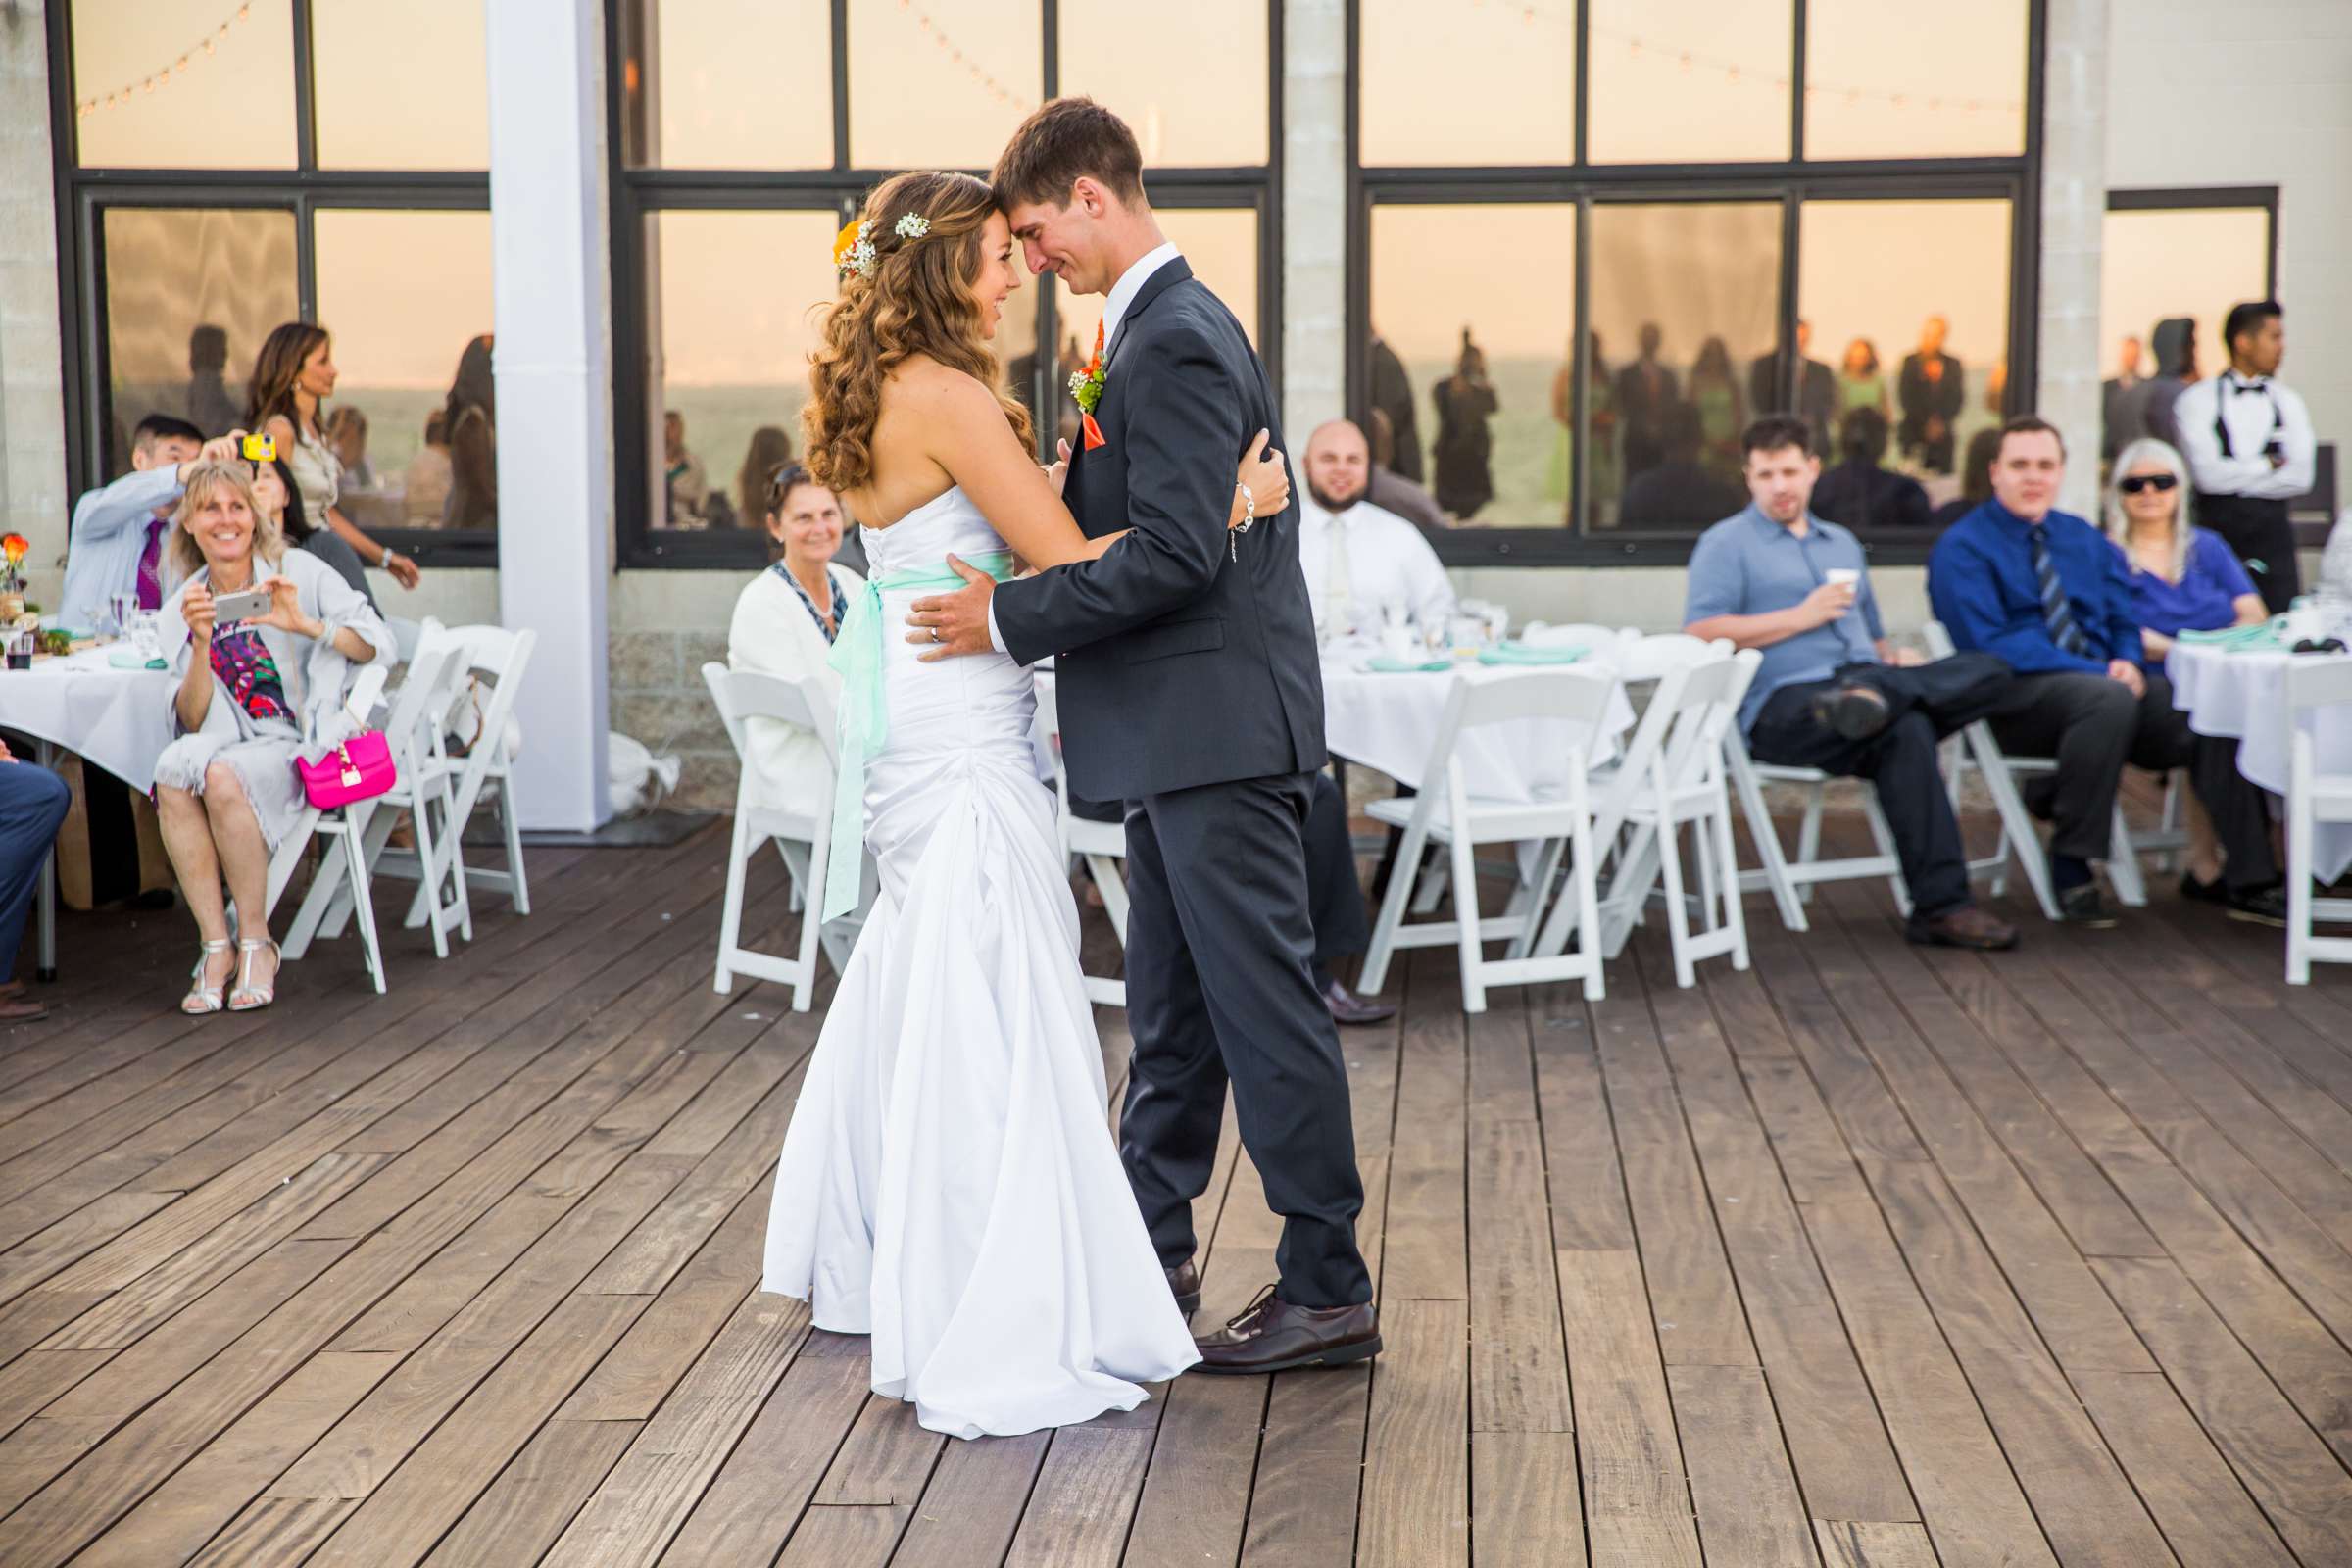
<point>164,77</point>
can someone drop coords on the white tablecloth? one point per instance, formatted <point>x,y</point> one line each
<point>2243,695</point>
<point>119,719</point>
<point>1389,722</point>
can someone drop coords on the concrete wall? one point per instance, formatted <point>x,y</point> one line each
<point>32,406</point>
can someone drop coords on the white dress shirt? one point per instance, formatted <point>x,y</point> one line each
<point>108,536</point>
<point>1114,311</point>
<point>1365,560</point>
<point>2252,409</point>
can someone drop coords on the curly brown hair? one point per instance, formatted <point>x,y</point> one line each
<point>919,299</point>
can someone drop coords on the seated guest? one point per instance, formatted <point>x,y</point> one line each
<point>2183,579</point>
<point>1393,491</point>
<point>1362,562</point>
<point>2048,594</point>
<point>115,544</point>
<point>1678,491</point>
<point>1829,692</point>
<point>276,493</point>
<point>250,697</point>
<point>1975,480</point>
<point>32,804</point>
<point>1860,494</point>
<point>785,621</point>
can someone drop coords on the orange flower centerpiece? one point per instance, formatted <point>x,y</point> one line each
<point>13,549</point>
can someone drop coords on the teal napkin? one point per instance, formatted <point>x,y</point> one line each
<point>1386,665</point>
<point>128,659</point>
<point>2265,637</point>
<point>1525,654</point>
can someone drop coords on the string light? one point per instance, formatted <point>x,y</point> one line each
<point>1735,74</point>
<point>956,56</point>
<point>209,44</point>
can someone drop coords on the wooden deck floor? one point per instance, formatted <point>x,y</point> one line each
<point>1867,1257</point>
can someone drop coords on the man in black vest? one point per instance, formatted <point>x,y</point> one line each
<point>1189,687</point>
<point>2250,450</point>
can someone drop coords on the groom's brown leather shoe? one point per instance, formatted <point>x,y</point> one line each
<point>1273,1336</point>
<point>1184,1282</point>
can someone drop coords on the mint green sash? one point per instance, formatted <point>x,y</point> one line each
<point>865,716</point>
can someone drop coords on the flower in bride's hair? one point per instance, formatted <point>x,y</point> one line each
<point>854,250</point>
<point>914,226</point>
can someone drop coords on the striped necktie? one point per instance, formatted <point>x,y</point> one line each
<point>2055,613</point>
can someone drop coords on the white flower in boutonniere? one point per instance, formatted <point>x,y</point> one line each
<point>1086,386</point>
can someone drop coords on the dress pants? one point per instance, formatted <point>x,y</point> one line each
<point>33,803</point>
<point>2263,534</point>
<point>2093,725</point>
<point>1926,703</point>
<point>1219,942</point>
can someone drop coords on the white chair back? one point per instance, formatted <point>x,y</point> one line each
<point>405,634</point>
<point>741,693</point>
<point>1650,658</point>
<point>2313,798</point>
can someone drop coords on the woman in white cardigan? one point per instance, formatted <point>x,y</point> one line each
<point>785,623</point>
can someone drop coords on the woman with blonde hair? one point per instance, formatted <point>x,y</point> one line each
<point>949,1184</point>
<point>252,694</point>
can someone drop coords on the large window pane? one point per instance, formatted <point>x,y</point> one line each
<point>400,86</point>
<point>732,298</point>
<point>1493,84</point>
<point>1908,305</point>
<point>1491,445</point>
<point>2162,264</point>
<point>1683,298</point>
<point>1192,86</point>
<point>406,294</point>
<point>1697,82</point>
<point>729,83</point>
<point>941,83</point>
<point>1875,89</point>
<point>183,85</point>
<point>190,293</point>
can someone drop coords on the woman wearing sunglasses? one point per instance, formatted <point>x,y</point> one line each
<point>2183,578</point>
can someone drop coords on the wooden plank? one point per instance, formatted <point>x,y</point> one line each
<point>2298,1483</point>
<point>630,1383</point>
<point>2202,1507</point>
<point>1580,1146</point>
<point>1524,1508</point>
<point>1741,1480</point>
<point>1201,1471</point>
<point>1849,1543</point>
<point>757,1497</point>
<point>1425,1242</point>
<point>522,1512</point>
<point>1519,1369</point>
<point>1416,1492</point>
<point>279,1535</point>
<point>973,1504</point>
<point>1637,1496</point>
<point>1084,1499</point>
<point>1302,1509</point>
<point>40,1257</point>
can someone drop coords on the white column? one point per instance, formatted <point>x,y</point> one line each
<point>1314,215</point>
<point>552,296</point>
<point>2074,214</point>
<point>32,408</point>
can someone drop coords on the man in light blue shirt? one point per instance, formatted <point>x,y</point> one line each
<point>116,545</point>
<point>1830,692</point>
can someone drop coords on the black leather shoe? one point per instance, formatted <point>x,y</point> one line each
<point>2262,907</point>
<point>1855,712</point>
<point>1347,1008</point>
<point>2086,906</point>
<point>1272,1336</point>
<point>1184,1282</point>
<point>2213,892</point>
<point>1966,927</point>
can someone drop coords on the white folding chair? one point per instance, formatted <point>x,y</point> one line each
<point>343,867</point>
<point>2313,798</point>
<point>1103,846</point>
<point>405,635</point>
<point>1790,882</point>
<point>426,790</point>
<point>493,660</point>
<point>1446,813</point>
<point>802,839</point>
<point>1682,780</point>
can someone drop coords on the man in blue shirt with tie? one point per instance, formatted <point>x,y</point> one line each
<point>2048,594</point>
<point>1830,692</point>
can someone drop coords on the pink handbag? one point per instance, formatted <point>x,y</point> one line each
<point>359,769</point>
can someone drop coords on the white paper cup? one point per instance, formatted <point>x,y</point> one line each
<point>1842,576</point>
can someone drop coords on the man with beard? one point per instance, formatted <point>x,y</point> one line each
<point>1361,560</point>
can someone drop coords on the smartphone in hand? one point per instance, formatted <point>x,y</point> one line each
<point>251,605</point>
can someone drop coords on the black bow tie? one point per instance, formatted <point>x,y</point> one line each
<point>2250,386</point>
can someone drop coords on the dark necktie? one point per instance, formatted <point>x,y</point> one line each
<point>2055,613</point>
<point>149,584</point>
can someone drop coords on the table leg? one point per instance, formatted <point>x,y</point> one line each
<point>45,901</point>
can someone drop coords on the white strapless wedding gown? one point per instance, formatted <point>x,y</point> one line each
<point>949,1183</point>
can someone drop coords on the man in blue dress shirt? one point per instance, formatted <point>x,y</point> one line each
<point>2048,593</point>
<point>1830,692</point>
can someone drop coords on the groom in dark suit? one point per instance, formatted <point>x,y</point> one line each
<point>1189,688</point>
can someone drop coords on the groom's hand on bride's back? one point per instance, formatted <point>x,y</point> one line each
<point>958,622</point>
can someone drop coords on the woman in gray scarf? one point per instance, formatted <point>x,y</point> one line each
<point>253,694</point>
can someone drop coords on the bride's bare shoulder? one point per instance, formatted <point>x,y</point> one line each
<point>921,382</point>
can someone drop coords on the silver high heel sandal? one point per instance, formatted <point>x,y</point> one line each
<point>201,998</point>
<point>248,997</point>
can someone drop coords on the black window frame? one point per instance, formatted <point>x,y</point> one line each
<point>1792,182</point>
<point>638,193</point>
<point>2207,198</point>
<point>83,195</point>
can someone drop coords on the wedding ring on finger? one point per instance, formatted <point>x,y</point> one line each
<point>935,636</point>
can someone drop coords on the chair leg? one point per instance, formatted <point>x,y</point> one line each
<point>1466,918</point>
<point>1808,836</point>
<point>520,884</point>
<point>1882,836</point>
<point>363,905</point>
<point>1106,872</point>
<point>1735,914</point>
<point>2122,862</point>
<point>2016,823</point>
<point>1767,844</point>
<point>2301,830</point>
<point>813,926</point>
<point>1391,913</point>
<point>1538,892</point>
<point>730,919</point>
<point>453,837</point>
<point>1586,871</point>
<point>1429,886</point>
<point>1678,916</point>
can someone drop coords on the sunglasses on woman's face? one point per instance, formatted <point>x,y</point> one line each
<point>2158,482</point>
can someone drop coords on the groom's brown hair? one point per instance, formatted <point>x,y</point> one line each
<point>1068,139</point>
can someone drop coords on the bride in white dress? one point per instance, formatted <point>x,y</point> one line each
<point>949,1184</point>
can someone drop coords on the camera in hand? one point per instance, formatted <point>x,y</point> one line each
<point>250,604</point>
<point>259,449</point>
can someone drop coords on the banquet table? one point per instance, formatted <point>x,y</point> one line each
<point>117,719</point>
<point>2241,695</point>
<point>1389,720</point>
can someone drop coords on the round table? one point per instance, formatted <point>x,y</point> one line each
<point>1389,721</point>
<point>2242,696</point>
<point>117,719</point>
